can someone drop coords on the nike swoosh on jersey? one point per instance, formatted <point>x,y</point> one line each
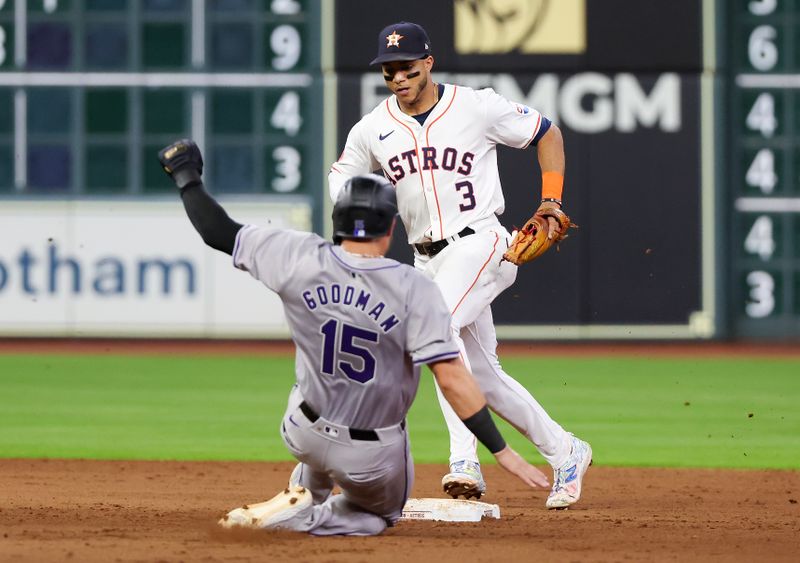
<point>383,137</point>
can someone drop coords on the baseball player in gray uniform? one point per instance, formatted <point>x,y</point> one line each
<point>437,143</point>
<point>363,326</point>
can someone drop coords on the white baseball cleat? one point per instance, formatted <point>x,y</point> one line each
<point>238,517</point>
<point>294,478</point>
<point>465,479</point>
<point>568,479</point>
<point>287,510</point>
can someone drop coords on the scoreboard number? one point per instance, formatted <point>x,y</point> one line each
<point>761,117</point>
<point>286,115</point>
<point>761,173</point>
<point>761,48</point>
<point>286,45</point>
<point>287,168</point>
<point>285,7</point>
<point>762,294</point>
<point>762,7</point>
<point>759,239</point>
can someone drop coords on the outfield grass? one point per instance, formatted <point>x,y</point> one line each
<point>640,412</point>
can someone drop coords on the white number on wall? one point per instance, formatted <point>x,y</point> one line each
<point>761,173</point>
<point>286,115</point>
<point>762,115</point>
<point>762,294</point>
<point>285,7</point>
<point>760,240</point>
<point>287,168</point>
<point>285,43</point>
<point>762,7</point>
<point>2,46</point>
<point>761,48</point>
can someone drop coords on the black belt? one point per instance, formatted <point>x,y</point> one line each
<point>433,248</point>
<point>355,433</point>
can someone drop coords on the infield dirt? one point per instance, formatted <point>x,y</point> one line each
<point>75,510</point>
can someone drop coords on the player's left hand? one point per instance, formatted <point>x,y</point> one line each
<point>550,210</point>
<point>183,162</point>
<point>547,227</point>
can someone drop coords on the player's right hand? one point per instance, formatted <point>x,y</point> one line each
<point>512,462</point>
<point>183,162</point>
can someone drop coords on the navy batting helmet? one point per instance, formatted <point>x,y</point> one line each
<point>365,208</point>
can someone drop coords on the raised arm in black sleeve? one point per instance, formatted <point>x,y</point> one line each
<point>209,218</point>
<point>183,162</point>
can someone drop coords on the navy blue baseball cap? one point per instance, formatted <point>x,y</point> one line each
<point>403,41</point>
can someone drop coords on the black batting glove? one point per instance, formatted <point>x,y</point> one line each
<point>183,162</point>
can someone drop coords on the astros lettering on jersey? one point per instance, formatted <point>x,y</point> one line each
<point>451,159</point>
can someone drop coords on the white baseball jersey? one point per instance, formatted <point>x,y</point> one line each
<point>446,176</point>
<point>445,170</point>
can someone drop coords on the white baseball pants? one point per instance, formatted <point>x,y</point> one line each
<point>470,275</point>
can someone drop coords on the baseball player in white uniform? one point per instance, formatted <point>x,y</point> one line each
<point>362,333</point>
<point>437,144</point>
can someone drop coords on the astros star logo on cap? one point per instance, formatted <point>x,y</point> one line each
<point>393,39</point>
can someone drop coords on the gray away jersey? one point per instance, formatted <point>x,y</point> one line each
<point>363,326</point>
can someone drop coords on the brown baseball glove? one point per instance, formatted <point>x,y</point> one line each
<point>535,238</point>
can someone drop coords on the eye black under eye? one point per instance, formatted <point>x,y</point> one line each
<point>390,75</point>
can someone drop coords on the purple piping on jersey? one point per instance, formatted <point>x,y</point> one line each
<point>343,263</point>
<point>437,357</point>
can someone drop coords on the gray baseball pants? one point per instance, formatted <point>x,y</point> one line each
<point>375,476</point>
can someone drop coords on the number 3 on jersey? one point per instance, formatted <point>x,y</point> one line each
<point>347,338</point>
<point>468,195</point>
